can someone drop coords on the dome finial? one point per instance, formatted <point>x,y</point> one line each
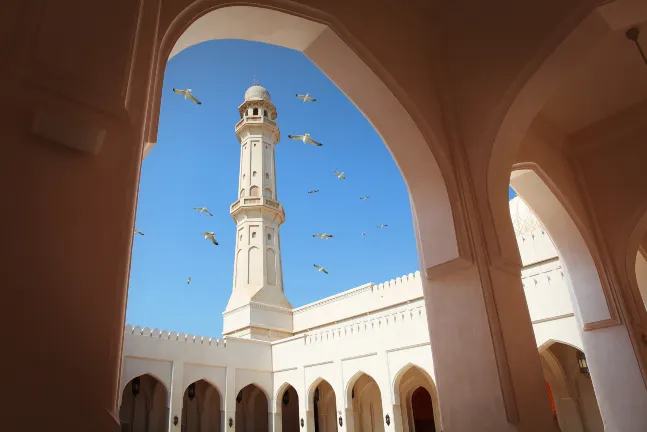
<point>255,80</point>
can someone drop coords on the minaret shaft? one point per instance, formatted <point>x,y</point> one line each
<point>257,308</point>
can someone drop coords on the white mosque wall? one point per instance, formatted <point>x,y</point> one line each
<point>375,329</point>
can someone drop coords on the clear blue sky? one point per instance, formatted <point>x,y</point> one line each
<point>195,163</point>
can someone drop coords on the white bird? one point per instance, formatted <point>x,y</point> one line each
<point>321,269</point>
<point>382,226</point>
<point>363,233</point>
<point>203,210</point>
<point>340,175</point>
<point>306,139</point>
<point>306,97</point>
<point>187,95</point>
<point>188,281</point>
<point>365,197</point>
<point>314,191</point>
<point>323,236</point>
<point>138,232</point>
<point>211,236</point>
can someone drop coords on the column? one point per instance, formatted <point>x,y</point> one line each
<point>176,396</point>
<point>229,411</point>
<point>343,411</point>
<point>486,362</point>
<point>389,406</point>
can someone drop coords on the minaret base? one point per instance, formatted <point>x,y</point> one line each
<point>258,321</point>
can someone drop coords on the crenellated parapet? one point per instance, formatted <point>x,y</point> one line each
<point>410,281</point>
<point>166,335</point>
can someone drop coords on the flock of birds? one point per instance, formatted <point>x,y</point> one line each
<point>306,139</point>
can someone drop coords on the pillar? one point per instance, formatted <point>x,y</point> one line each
<point>488,372</point>
<point>387,395</point>
<point>176,396</point>
<point>229,404</point>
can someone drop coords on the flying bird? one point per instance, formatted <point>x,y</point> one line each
<point>382,226</point>
<point>203,210</point>
<point>138,232</point>
<point>306,97</point>
<point>365,197</point>
<point>340,175</point>
<point>312,192</point>
<point>306,139</point>
<point>321,269</point>
<point>323,236</point>
<point>187,95</point>
<point>363,233</point>
<point>188,281</point>
<point>211,236</point>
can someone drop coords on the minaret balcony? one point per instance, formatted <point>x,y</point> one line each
<point>251,203</point>
<point>256,120</point>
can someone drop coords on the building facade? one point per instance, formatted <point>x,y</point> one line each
<point>359,360</point>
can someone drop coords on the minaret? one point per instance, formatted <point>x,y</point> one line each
<point>257,308</point>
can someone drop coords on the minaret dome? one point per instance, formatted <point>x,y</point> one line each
<point>257,92</point>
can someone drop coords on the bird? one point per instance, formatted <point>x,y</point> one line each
<point>321,269</point>
<point>203,210</point>
<point>138,232</point>
<point>306,139</point>
<point>188,281</point>
<point>382,226</point>
<point>314,191</point>
<point>323,236</point>
<point>211,236</point>
<point>306,97</point>
<point>365,197</point>
<point>363,233</point>
<point>187,95</point>
<point>340,175</point>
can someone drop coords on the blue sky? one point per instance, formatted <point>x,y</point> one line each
<point>195,163</point>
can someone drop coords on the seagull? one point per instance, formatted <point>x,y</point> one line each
<point>363,233</point>
<point>323,236</point>
<point>321,269</point>
<point>188,281</point>
<point>211,236</point>
<point>365,197</point>
<point>138,232</point>
<point>306,97</point>
<point>340,175</point>
<point>382,226</point>
<point>306,139</point>
<point>203,210</point>
<point>187,95</point>
<point>314,191</point>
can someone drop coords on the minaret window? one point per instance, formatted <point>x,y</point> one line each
<point>253,191</point>
<point>254,174</point>
<point>267,193</point>
<point>267,176</point>
<point>265,113</point>
<point>255,111</point>
<point>242,192</point>
<point>254,234</point>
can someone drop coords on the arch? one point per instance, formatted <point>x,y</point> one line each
<point>253,191</point>
<point>543,347</point>
<point>145,409</point>
<point>287,405</point>
<point>366,404</point>
<point>565,47</point>
<point>408,379</point>
<point>413,141</point>
<point>265,391</point>
<point>321,405</point>
<point>637,288</point>
<point>215,387</point>
<point>279,394</point>
<point>198,411</point>
<point>398,376</point>
<point>590,290</point>
<point>128,377</point>
<point>351,383</point>
<point>252,410</point>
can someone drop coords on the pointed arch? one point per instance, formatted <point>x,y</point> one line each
<point>398,376</point>
<point>128,377</point>
<point>212,384</point>
<point>351,383</point>
<point>279,395</point>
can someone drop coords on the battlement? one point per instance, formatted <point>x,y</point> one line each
<point>399,283</point>
<point>163,334</point>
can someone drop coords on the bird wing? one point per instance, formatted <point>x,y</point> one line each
<point>337,172</point>
<point>312,99</point>
<point>178,91</point>
<point>324,270</point>
<point>317,267</point>
<point>316,235</point>
<point>300,96</point>
<point>207,212</point>
<point>197,208</point>
<point>193,98</point>
<point>311,141</point>
<point>296,137</point>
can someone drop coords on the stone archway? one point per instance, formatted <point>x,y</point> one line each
<point>323,407</point>
<point>143,405</point>
<point>287,400</point>
<point>409,380</point>
<point>252,413</point>
<point>366,404</point>
<point>201,408</point>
